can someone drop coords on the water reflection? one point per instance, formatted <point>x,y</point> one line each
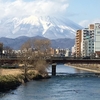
<point>64,69</point>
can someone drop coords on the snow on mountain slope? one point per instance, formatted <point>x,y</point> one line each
<point>46,26</point>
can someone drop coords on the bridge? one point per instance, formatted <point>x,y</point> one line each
<point>54,61</point>
<point>92,61</point>
<point>80,62</point>
<point>57,60</point>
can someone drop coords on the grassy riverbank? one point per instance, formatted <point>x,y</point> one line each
<point>12,78</point>
<point>8,82</point>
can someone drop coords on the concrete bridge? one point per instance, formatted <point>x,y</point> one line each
<point>73,60</point>
<point>89,64</point>
<point>56,60</point>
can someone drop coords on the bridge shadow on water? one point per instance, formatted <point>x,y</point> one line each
<point>67,71</point>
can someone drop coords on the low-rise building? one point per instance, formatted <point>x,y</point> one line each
<point>67,53</point>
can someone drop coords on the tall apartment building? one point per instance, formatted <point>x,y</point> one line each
<point>97,39</point>
<point>78,43</point>
<point>87,47</point>
<point>88,41</point>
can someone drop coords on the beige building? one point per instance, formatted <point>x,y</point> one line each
<point>78,43</point>
<point>91,27</point>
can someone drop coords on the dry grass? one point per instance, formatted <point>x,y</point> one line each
<point>14,72</point>
<point>10,72</point>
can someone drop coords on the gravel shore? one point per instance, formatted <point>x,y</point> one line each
<point>86,67</point>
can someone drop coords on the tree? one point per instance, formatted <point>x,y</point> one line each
<point>42,46</point>
<point>33,53</point>
<point>24,57</point>
<point>1,49</point>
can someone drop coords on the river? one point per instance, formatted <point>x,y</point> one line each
<point>72,85</point>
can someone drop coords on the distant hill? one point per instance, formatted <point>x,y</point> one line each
<point>63,43</point>
<point>55,43</point>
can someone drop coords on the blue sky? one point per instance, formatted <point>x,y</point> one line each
<point>82,12</point>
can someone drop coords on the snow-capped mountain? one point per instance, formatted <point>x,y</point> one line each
<point>49,27</point>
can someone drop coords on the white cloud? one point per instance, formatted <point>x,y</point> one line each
<point>20,8</point>
<point>85,23</point>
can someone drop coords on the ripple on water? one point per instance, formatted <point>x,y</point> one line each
<point>63,86</point>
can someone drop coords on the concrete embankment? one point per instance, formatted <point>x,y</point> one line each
<point>86,67</point>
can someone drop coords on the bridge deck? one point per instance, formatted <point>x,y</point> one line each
<point>55,60</point>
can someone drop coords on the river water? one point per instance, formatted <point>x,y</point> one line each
<point>72,85</point>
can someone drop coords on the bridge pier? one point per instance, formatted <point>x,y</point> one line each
<point>54,69</point>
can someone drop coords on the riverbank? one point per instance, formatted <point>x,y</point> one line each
<point>12,78</point>
<point>86,67</point>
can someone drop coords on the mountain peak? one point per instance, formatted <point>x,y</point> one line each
<point>47,26</point>
<point>33,20</point>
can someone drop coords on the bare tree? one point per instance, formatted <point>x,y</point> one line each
<point>1,49</point>
<point>43,50</point>
<point>33,52</point>
<point>42,46</point>
<point>24,57</point>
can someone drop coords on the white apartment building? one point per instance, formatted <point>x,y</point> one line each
<point>90,43</point>
<point>87,44</point>
<point>67,53</point>
<point>73,50</point>
<point>97,39</point>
